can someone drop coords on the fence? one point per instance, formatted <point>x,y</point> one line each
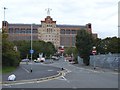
<point>109,61</point>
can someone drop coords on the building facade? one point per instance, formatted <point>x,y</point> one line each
<point>48,31</point>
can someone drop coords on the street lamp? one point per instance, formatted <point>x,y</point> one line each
<point>31,51</point>
<point>4,17</point>
<point>94,52</point>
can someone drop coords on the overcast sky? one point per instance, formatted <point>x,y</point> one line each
<point>102,14</point>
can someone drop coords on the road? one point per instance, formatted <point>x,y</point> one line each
<point>74,77</point>
<point>38,71</point>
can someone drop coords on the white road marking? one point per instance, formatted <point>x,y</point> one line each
<point>49,70</point>
<point>64,78</point>
<point>26,70</point>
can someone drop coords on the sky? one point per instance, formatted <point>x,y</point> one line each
<point>102,14</point>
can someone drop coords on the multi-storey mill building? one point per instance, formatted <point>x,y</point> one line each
<point>48,31</point>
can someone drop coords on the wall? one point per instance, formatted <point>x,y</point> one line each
<point>108,61</point>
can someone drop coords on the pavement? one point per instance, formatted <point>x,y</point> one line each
<point>96,68</point>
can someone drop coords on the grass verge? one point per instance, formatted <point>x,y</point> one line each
<point>8,69</point>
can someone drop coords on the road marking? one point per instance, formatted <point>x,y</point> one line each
<point>64,78</point>
<point>50,70</point>
<point>25,69</point>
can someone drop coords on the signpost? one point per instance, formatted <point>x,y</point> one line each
<point>94,52</point>
<point>31,51</point>
<point>61,50</point>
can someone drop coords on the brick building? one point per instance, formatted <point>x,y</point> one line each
<point>48,31</point>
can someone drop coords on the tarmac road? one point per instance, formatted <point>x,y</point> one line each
<point>38,71</point>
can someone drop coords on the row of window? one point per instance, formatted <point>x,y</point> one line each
<point>49,30</point>
<point>4,24</point>
<point>52,39</point>
<point>49,25</point>
<point>22,31</point>
<point>51,36</point>
<point>67,41</point>
<point>22,38</point>
<point>68,31</point>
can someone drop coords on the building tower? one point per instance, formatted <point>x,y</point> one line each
<point>48,31</point>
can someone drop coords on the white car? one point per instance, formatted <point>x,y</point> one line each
<point>54,57</point>
<point>40,60</point>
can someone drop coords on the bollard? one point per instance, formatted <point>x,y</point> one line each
<point>62,68</point>
<point>31,70</point>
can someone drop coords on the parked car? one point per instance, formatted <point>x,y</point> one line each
<point>40,60</point>
<point>54,58</point>
<point>70,59</point>
<point>25,60</point>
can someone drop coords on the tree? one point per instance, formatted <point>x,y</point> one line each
<point>47,48</point>
<point>84,43</point>
<point>70,51</point>
<point>9,56</point>
<point>109,44</point>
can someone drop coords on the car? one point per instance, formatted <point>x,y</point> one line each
<point>40,60</point>
<point>25,60</point>
<point>54,58</point>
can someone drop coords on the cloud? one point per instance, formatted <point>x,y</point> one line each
<point>101,13</point>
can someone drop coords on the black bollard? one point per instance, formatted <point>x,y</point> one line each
<point>31,70</point>
<point>62,68</point>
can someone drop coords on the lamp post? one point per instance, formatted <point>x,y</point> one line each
<point>4,16</point>
<point>31,47</point>
<point>94,52</point>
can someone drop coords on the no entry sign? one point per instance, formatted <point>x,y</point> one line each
<point>94,52</point>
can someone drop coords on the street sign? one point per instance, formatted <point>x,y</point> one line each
<point>62,50</point>
<point>94,52</point>
<point>31,51</point>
